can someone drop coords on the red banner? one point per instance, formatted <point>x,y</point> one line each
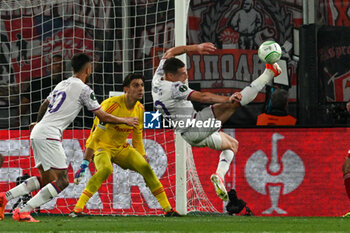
<point>124,192</point>
<point>237,28</point>
<point>335,12</point>
<point>284,172</point>
<point>278,172</point>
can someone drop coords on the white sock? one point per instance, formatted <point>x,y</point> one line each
<point>45,195</point>
<point>250,92</point>
<point>29,185</point>
<point>226,157</point>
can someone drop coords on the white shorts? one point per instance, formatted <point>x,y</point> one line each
<point>209,137</point>
<point>49,154</point>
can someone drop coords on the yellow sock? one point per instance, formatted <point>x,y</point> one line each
<point>162,199</point>
<point>83,199</point>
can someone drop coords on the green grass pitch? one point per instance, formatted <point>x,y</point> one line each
<point>182,224</point>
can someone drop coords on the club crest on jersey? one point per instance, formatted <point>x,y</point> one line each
<point>183,88</point>
<point>92,96</point>
<point>151,120</point>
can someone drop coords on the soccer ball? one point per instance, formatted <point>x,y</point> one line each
<point>269,52</point>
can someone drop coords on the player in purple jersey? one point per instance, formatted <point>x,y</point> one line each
<point>56,113</point>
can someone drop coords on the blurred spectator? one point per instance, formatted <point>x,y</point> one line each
<point>247,22</point>
<point>278,114</point>
<point>40,88</point>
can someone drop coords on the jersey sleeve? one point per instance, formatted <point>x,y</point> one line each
<point>137,133</point>
<point>88,99</point>
<point>50,96</point>
<point>180,91</point>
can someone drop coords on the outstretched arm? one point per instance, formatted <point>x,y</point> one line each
<point>109,118</point>
<point>210,98</point>
<point>204,48</point>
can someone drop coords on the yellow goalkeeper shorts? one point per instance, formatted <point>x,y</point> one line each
<point>125,156</point>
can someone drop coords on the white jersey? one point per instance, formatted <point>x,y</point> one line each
<point>66,101</point>
<point>171,98</point>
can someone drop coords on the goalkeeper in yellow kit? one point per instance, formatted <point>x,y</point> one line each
<point>108,143</point>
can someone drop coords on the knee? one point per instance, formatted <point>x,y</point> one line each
<point>145,169</point>
<point>45,180</point>
<point>62,181</point>
<point>106,171</point>
<point>149,176</point>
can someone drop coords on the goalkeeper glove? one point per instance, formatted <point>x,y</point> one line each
<point>81,172</point>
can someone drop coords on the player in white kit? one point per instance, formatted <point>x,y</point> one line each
<point>56,113</point>
<point>171,95</point>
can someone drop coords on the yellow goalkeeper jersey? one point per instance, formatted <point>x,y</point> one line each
<point>113,136</point>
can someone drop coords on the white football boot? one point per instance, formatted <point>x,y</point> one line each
<point>219,185</point>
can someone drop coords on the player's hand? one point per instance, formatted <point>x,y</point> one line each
<point>237,96</point>
<point>348,106</point>
<point>205,48</point>
<point>31,126</point>
<point>132,121</point>
<point>81,172</point>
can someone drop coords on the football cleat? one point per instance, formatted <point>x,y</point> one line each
<point>23,217</point>
<point>346,215</point>
<point>172,213</point>
<point>76,213</point>
<point>275,68</point>
<point>219,186</point>
<point>3,202</point>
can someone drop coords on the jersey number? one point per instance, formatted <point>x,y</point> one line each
<point>159,103</point>
<point>57,101</point>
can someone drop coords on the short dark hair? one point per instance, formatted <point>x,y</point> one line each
<point>171,65</point>
<point>78,61</point>
<point>279,99</point>
<point>128,79</point>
